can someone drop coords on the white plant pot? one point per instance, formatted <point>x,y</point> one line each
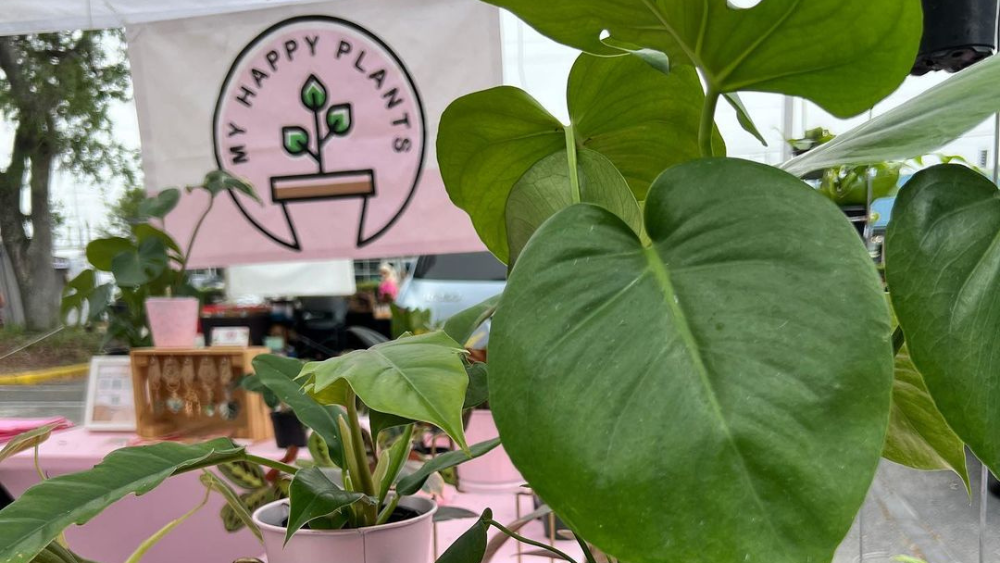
<point>408,541</point>
<point>173,321</point>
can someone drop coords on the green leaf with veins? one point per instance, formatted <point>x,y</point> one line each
<point>943,268</point>
<point>416,377</point>
<point>45,510</point>
<point>919,437</point>
<point>806,48</point>
<point>549,186</point>
<point>916,128</point>
<point>314,495</point>
<point>713,344</point>
<point>639,118</point>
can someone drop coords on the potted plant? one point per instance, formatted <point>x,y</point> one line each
<point>150,300</point>
<point>358,503</point>
<point>289,432</point>
<point>693,359</point>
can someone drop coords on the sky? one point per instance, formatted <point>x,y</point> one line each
<point>541,67</point>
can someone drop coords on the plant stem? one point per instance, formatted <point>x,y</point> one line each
<point>155,538</point>
<point>586,548</point>
<point>705,133</point>
<point>283,467</point>
<point>366,482</point>
<point>523,539</point>
<point>194,233</point>
<point>574,173</point>
<point>383,516</point>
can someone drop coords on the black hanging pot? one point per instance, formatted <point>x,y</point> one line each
<point>288,431</point>
<point>957,33</point>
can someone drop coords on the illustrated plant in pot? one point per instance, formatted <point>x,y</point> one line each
<point>150,300</point>
<point>678,376</point>
<point>363,509</point>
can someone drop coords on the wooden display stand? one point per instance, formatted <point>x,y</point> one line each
<point>195,392</point>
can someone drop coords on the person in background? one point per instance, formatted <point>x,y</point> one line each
<point>3,303</point>
<point>388,288</point>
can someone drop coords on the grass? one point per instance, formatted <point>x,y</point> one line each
<point>69,346</point>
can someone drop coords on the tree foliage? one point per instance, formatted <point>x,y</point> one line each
<point>58,90</point>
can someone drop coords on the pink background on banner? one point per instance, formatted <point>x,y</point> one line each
<point>180,71</point>
<point>227,233</point>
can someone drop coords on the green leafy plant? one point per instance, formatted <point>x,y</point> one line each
<point>354,483</point>
<point>744,382</point>
<point>147,263</point>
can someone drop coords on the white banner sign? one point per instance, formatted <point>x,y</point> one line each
<point>329,110</point>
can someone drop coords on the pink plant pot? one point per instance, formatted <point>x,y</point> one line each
<point>173,321</point>
<point>408,541</point>
<point>492,473</point>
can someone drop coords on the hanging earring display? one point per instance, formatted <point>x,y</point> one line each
<point>209,378</point>
<point>192,403</point>
<point>154,378</point>
<point>172,382</point>
<point>228,408</point>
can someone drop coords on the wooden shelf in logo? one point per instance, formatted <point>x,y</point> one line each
<point>329,185</point>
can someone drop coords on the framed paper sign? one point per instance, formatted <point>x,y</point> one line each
<point>110,403</point>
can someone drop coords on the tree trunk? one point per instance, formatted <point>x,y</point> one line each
<point>40,291</point>
<point>31,258</point>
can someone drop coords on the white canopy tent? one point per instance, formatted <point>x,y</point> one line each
<point>40,16</point>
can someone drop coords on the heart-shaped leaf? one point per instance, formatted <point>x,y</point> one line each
<point>43,511</point>
<point>143,231</point>
<point>640,119</point>
<point>918,127</point>
<point>295,140</point>
<point>161,204</point>
<point>919,437</point>
<point>943,268</point>
<point>471,545</point>
<point>417,377</point>
<point>101,252</point>
<point>339,119</point>
<point>727,357</point>
<point>313,495</point>
<point>313,93</point>
<point>807,48</point>
<point>551,185</point>
<point>139,265</point>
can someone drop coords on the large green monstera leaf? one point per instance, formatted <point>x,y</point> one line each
<point>808,48</point>
<point>640,119</point>
<point>722,395</point>
<point>943,270</point>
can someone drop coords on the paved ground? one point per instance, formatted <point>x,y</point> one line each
<point>926,515</point>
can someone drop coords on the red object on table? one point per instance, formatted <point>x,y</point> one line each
<point>10,427</point>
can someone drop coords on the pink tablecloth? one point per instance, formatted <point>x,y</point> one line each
<point>113,535</point>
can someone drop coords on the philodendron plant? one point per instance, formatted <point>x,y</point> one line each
<point>148,263</point>
<point>412,379</point>
<point>679,379</point>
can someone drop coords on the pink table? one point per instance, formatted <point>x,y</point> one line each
<point>113,535</point>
